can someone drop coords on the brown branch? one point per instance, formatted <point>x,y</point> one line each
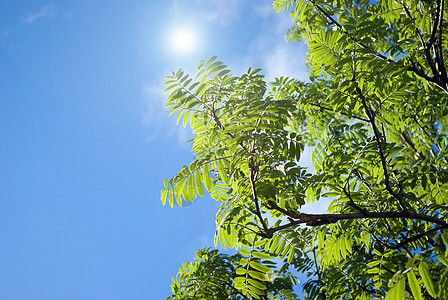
<point>324,219</point>
<point>440,60</point>
<point>439,76</point>
<point>419,72</point>
<point>416,237</point>
<point>289,213</point>
<point>352,202</point>
<point>426,48</point>
<point>434,27</point>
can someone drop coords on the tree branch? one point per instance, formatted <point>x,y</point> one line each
<point>324,219</point>
<point>419,72</point>
<point>352,202</point>
<point>416,237</point>
<point>439,49</point>
<point>426,47</point>
<point>434,27</point>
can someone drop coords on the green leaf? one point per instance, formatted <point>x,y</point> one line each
<point>170,88</point>
<point>243,261</point>
<point>178,197</point>
<point>257,275</point>
<point>244,251</point>
<point>255,292</point>
<point>280,247</point>
<point>170,198</point>
<point>397,291</point>
<point>443,259</point>
<point>259,267</point>
<point>256,284</point>
<point>210,60</point>
<point>222,172</point>
<point>198,182</point>
<point>222,238</point>
<point>186,117</point>
<point>445,238</point>
<point>274,243</point>
<point>229,237</point>
<point>206,177</point>
<point>163,196</point>
<point>413,284</point>
<point>239,280</point>
<point>261,255</point>
<point>291,254</point>
<point>190,188</point>
<point>427,279</point>
<point>240,271</point>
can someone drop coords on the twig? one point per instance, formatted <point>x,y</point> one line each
<point>253,178</point>
<point>412,145</point>
<point>376,133</point>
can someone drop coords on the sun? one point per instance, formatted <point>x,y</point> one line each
<point>183,40</point>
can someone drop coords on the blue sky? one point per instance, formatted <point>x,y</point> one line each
<point>87,142</point>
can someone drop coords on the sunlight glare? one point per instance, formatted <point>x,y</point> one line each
<point>183,40</point>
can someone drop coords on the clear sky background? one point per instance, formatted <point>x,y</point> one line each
<point>86,141</point>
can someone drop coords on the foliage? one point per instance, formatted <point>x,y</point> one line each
<point>375,111</point>
<point>212,276</point>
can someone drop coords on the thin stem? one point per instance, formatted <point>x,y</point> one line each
<point>412,145</point>
<point>253,178</point>
<point>376,133</point>
<point>338,112</point>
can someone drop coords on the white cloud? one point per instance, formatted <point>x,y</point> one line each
<point>155,115</point>
<point>264,9</point>
<point>223,11</point>
<point>285,61</point>
<point>277,56</point>
<point>48,11</point>
<point>210,10</point>
<point>318,207</point>
<point>269,50</point>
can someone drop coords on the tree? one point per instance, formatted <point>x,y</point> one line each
<point>375,111</point>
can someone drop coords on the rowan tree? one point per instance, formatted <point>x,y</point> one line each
<point>374,111</point>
